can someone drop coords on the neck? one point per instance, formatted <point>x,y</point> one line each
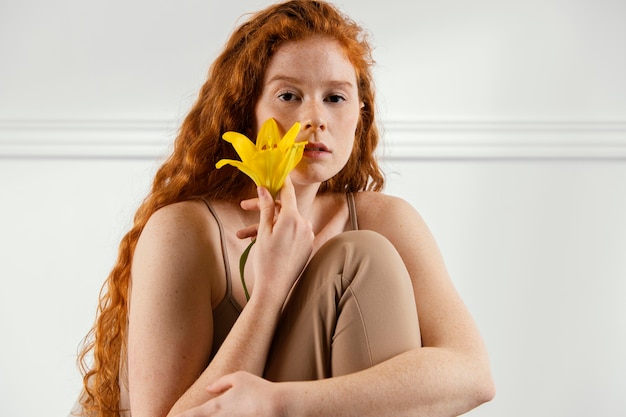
<point>305,195</point>
<point>328,213</point>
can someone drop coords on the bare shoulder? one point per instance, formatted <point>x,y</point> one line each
<point>376,200</point>
<point>187,224</point>
<point>387,214</point>
<point>179,229</point>
<point>181,240</point>
<point>190,214</point>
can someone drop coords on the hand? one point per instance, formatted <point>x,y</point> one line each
<point>240,394</point>
<point>284,242</point>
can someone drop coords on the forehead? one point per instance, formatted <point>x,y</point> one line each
<point>311,58</point>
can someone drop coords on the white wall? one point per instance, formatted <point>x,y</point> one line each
<point>505,126</point>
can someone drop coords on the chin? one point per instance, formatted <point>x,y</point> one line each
<point>310,177</point>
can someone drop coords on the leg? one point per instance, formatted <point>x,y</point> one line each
<point>353,307</point>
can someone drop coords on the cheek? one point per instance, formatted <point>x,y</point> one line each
<point>283,119</point>
<point>259,118</point>
<point>351,132</point>
<point>350,135</point>
<point>264,111</point>
<point>348,149</point>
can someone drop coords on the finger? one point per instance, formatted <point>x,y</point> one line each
<point>219,387</point>
<point>267,208</point>
<point>288,195</point>
<point>246,232</point>
<point>277,206</point>
<point>225,382</point>
<point>250,204</point>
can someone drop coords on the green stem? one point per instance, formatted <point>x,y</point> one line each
<point>242,264</point>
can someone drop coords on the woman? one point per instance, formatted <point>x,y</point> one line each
<point>351,309</point>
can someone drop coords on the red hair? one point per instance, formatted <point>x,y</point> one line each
<point>226,103</point>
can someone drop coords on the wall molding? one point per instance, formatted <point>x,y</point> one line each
<point>88,139</point>
<point>403,139</point>
<point>505,140</point>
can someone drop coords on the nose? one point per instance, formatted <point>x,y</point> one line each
<point>312,116</point>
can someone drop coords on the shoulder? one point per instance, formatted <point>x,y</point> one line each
<point>378,199</point>
<point>179,244</point>
<point>185,226</point>
<point>376,210</point>
<point>187,214</point>
<point>399,222</point>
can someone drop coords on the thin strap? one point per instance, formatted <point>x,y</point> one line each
<point>229,285</point>
<point>352,210</point>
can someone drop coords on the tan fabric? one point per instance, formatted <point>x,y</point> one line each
<point>352,308</point>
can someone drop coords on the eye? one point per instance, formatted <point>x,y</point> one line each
<point>288,96</point>
<point>335,98</point>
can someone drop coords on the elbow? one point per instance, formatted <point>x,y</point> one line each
<point>483,384</point>
<point>487,392</point>
<point>484,387</point>
<point>478,385</point>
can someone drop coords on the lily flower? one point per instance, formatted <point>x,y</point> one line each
<point>269,161</point>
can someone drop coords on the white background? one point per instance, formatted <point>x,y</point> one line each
<point>505,126</point>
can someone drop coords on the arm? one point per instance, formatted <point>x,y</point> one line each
<point>170,324</point>
<point>170,328</point>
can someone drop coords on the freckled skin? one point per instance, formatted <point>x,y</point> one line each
<point>313,82</point>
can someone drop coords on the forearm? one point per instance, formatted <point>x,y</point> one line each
<point>245,349</point>
<point>423,382</point>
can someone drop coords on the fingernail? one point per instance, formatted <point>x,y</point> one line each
<point>261,191</point>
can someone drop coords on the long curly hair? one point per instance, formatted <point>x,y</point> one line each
<point>226,102</point>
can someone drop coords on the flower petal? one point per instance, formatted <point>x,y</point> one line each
<point>290,161</point>
<point>290,137</point>
<point>272,159</point>
<point>249,171</point>
<point>244,147</point>
<point>268,136</point>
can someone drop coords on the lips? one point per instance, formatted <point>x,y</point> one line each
<point>317,147</point>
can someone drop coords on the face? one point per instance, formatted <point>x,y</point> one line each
<point>312,82</point>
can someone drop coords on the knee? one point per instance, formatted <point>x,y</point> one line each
<point>363,241</point>
<point>365,246</point>
<point>365,252</point>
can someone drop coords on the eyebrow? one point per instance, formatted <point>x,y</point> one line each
<point>294,80</point>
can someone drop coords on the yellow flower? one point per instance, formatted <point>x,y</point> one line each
<point>269,161</point>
